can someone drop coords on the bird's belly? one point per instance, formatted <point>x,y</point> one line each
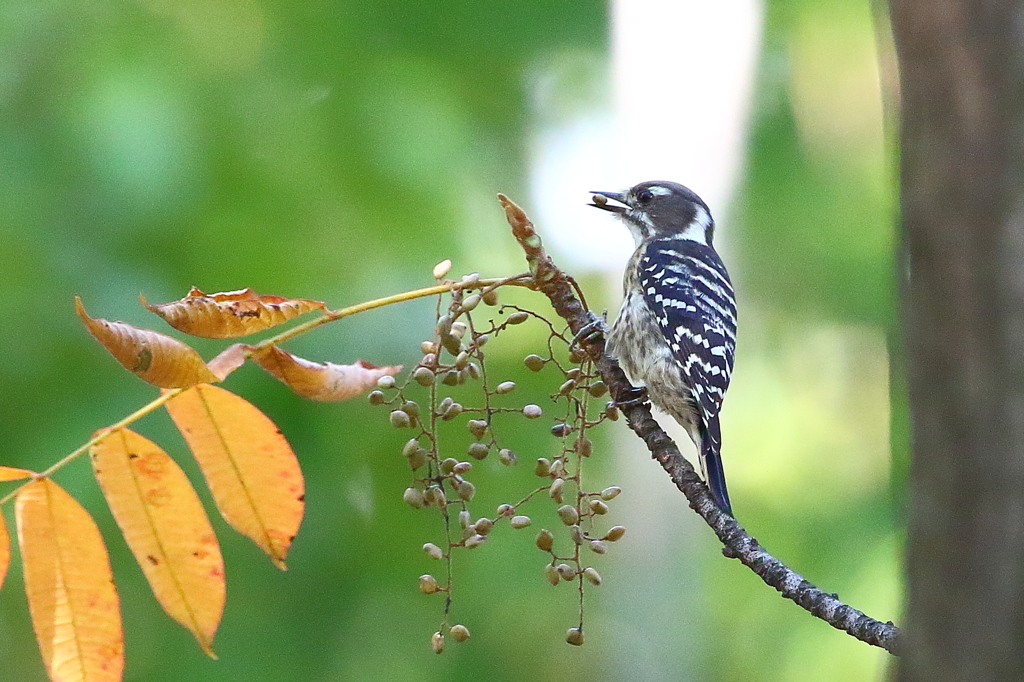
<point>637,343</point>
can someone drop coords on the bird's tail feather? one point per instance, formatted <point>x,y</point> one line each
<point>711,462</point>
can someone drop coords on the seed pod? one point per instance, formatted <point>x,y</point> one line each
<point>414,498</point>
<point>611,492</point>
<point>615,533</point>
<point>386,381</point>
<point>423,376</point>
<point>557,468</point>
<point>598,507</point>
<point>411,446</point>
<point>555,490</point>
<point>597,389</point>
<point>400,419</point>
<point>462,360</point>
<point>466,490</point>
<point>567,387</point>
<point>568,514</point>
<point>490,296</point>
<point>452,412</point>
<point>520,521</point>
<point>551,573</point>
<point>534,363</point>
<point>584,446</point>
<point>573,373</point>
<point>477,427</point>
<point>532,411</point>
<point>442,268</point>
<point>505,387</point>
<point>462,468</point>
<point>506,510</point>
<point>481,339</point>
<point>592,575</point>
<point>429,360</point>
<point>428,584</point>
<point>576,534</point>
<point>437,642</point>
<point>435,496</point>
<point>561,430</point>
<point>566,572</point>
<point>428,347</point>
<point>448,465</point>
<point>474,371</point>
<point>543,467</point>
<point>433,551</point>
<point>507,457</point>
<point>471,302</point>
<point>475,541</point>
<point>598,547</point>
<point>418,458</point>
<point>411,408</point>
<point>611,411</point>
<point>518,317</point>
<point>577,354</point>
<point>471,279</point>
<point>459,330</point>
<point>478,450</point>
<point>460,633</point>
<point>483,526</point>
<point>451,344</point>
<point>464,519</point>
<point>574,636</point>
<point>545,540</point>
<point>375,398</point>
<point>444,325</point>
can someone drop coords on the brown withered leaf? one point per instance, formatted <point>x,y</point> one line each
<point>151,356</point>
<point>230,314</point>
<point>228,360</point>
<point>325,382</point>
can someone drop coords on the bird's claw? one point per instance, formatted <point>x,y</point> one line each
<point>636,395</point>
<point>596,329</point>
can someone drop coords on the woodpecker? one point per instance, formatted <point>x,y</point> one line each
<point>675,335</point>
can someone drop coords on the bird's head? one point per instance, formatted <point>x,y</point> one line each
<point>659,209</point>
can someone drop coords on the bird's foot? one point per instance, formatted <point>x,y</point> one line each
<point>594,330</point>
<point>636,395</point>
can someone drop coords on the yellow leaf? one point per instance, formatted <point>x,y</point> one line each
<point>228,360</point>
<point>320,381</point>
<point>229,314</point>
<point>164,523</point>
<point>71,596</point>
<point>250,468</point>
<point>154,358</point>
<point>12,474</point>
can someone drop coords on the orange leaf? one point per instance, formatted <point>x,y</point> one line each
<point>75,609</point>
<point>320,381</point>
<point>154,358</point>
<point>5,550</point>
<point>250,468</point>
<point>12,474</point>
<point>164,523</point>
<point>230,314</point>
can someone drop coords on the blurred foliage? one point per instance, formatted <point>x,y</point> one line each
<point>337,151</point>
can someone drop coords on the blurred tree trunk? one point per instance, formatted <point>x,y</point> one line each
<point>962,140</point>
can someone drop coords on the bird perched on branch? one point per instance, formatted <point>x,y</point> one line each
<point>675,335</point>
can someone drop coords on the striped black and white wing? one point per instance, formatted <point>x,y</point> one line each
<point>687,287</point>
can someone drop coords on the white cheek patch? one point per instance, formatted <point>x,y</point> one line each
<point>702,217</point>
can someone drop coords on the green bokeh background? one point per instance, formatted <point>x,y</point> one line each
<point>338,151</point>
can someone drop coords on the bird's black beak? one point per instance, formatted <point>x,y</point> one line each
<point>600,200</point>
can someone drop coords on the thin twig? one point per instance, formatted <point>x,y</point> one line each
<point>558,287</point>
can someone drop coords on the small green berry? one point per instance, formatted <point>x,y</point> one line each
<point>534,363</point>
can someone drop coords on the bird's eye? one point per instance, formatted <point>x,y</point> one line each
<point>644,197</point>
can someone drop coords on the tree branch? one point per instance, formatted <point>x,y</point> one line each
<point>559,288</point>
